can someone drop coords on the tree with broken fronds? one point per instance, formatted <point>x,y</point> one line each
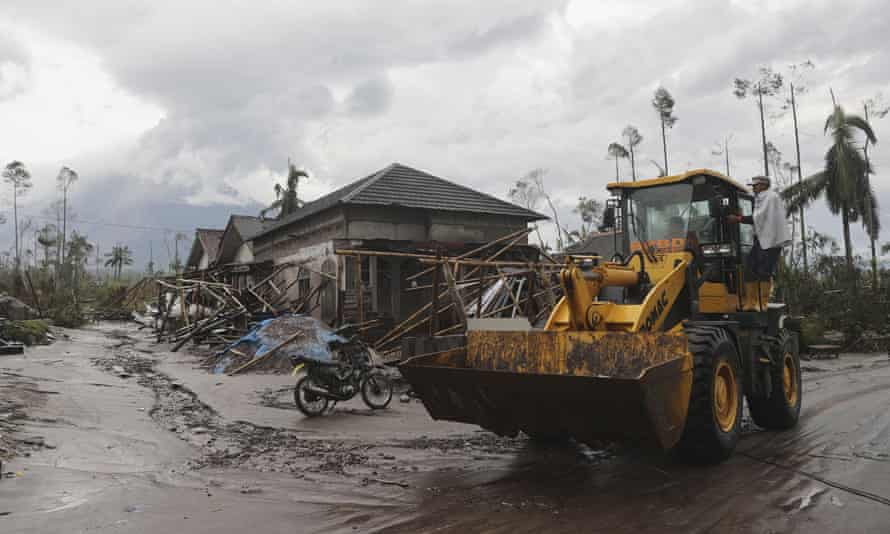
<point>768,83</point>
<point>118,258</point>
<point>591,212</point>
<point>664,103</point>
<point>77,253</point>
<point>633,138</point>
<point>874,107</point>
<point>47,238</point>
<point>528,192</point>
<point>843,180</point>
<point>290,200</point>
<point>617,151</point>
<point>287,199</point>
<point>18,176</point>
<point>64,179</point>
<point>797,87</point>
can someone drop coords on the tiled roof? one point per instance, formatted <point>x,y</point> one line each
<point>248,226</point>
<point>209,240</point>
<point>400,185</point>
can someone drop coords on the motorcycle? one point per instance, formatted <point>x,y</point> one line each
<point>339,380</point>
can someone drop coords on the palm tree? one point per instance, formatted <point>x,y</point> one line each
<point>17,175</point>
<point>634,138</point>
<point>76,256</point>
<point>117,258</point>
<point>616,150</point>
<point>47,237</point>
<point>844,179</point>
<point>876,108</point>
<point>65,178</point>
<point>126,256</point>
<point>664,103</point>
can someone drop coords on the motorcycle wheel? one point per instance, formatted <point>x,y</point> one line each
<point>376,391</point>
<point>309,403</point>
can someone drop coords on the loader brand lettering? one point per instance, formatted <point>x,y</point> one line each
<point>660,306</point>
<point>675,244</point>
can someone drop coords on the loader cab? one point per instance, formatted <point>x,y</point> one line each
<point>673,216</point>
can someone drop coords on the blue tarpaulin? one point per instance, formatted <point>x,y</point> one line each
<point>270,333</point>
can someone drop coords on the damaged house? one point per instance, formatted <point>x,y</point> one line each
<point>204,249</point>
<point>235,258</point>
<point>398,210</point>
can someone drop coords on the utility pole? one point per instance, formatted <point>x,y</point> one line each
<point>803,225</point>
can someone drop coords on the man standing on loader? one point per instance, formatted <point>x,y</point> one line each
<point>770,230</point>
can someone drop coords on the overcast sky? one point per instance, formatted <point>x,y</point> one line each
<point>176,114</point>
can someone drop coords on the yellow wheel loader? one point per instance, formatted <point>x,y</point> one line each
<point>658,345</point>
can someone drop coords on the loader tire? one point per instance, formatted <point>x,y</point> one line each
<point>781,410</point>
<point>713,422</point>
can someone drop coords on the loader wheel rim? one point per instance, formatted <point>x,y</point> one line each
<point>789,379</point>
<point>726,396</point>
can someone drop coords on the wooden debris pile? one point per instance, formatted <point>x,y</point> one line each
<point>201,308</point>
<point>502,278</point>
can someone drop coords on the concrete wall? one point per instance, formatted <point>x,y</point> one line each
<point>313,257</point>
<point>290,240</point>
<point>471,227</point>
<point>405,224</point>
<point>393,223</point>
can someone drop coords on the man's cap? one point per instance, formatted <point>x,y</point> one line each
<point>760,180</point>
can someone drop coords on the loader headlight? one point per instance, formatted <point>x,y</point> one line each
<point>717,249</point>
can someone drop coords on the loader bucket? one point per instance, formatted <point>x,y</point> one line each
<point>590,386</point>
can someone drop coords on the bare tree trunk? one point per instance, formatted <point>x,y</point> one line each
<point>617,177</point>
<point>64,218</point>
<point>874,254</point>
<point>633,166</point>
<point>664,145</point>
<point>559,243</point>
<point>726,153</point>
<point>15,217</point>
<point>803,224</point>
<point>848,244</point>
<point>763,131</point>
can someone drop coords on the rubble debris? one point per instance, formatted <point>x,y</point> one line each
<point>18,332</point>
<point>306,337</point>
<point>13,308</point>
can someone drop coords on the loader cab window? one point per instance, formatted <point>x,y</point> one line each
<point>663,216</point>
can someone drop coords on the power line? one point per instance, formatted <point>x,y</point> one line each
<point>116,225</point>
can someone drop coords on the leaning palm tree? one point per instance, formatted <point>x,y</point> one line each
<point>616,150</point>
<point>843,181</point>
<point>114,259</point>
<point>126,258</point>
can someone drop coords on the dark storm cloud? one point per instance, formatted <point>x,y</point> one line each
<point>239,85</point>
<point>478,91</point>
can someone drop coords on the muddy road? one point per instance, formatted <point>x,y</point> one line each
<point>113,434</point>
